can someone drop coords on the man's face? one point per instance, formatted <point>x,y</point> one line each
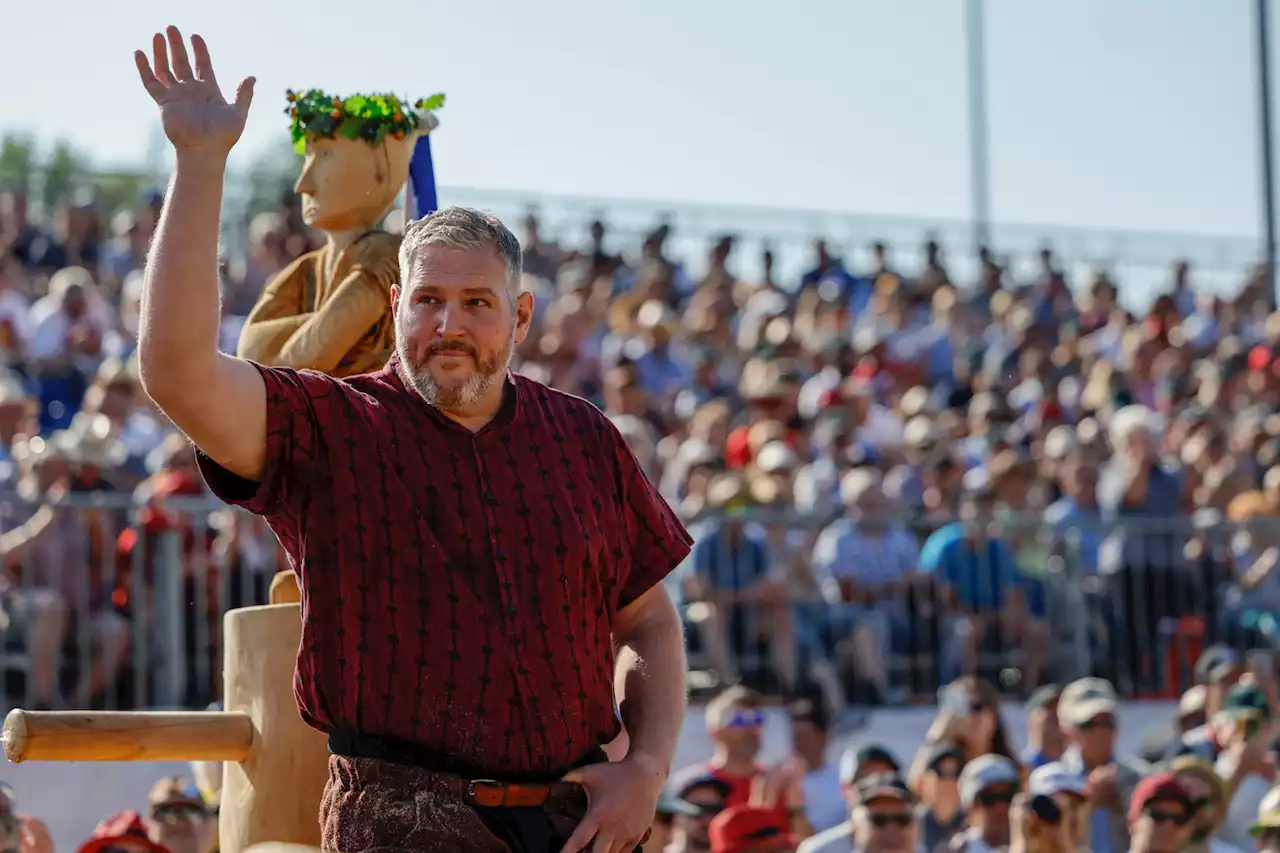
<point>808,738</point>
<point>740,732</point>
<point>1075,814</point>
<point>990,812</point>
<point>694,829</point>
<point>887,826</point>
<point>1096,737</point>
<point>1206,816</point>
<point>941,780</point>
<point>73,302</point>
<point>457,323</point>
<point>182,827</point>
<point>1164,827</point>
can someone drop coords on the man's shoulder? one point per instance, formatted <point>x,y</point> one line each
<point>556,404</point>
<point>323,391</point>
<point>837,839</point>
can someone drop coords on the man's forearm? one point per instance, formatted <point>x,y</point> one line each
<point>180,312</point>
<point>650,683</point>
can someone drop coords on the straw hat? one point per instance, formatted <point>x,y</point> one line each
<point>89,441</point>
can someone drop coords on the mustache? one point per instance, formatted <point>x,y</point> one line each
<point>460,347</point>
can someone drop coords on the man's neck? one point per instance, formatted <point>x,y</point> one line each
<point>733,766</point>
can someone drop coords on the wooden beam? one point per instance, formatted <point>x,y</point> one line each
<point>127,736</point>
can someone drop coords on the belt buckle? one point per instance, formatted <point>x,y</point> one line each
<point>497,792</point>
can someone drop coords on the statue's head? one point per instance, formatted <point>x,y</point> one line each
<point>357,152</point>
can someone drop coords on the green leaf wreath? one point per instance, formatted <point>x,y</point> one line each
<point>317,115</point>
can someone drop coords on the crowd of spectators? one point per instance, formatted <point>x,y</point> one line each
<point>894,479</point>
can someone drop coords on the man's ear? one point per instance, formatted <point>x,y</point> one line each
<point>524,315</point>
<point>395,297</point>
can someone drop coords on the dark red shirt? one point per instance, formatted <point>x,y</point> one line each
<point>458,588</point>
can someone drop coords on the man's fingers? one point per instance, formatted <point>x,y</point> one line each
<point>244,95</point>
<point>149,82</point>
<point>204,65</point>
<point>605,840</point>
<point>581,836</point>
<point>178,50</point>
<point>160,60</point>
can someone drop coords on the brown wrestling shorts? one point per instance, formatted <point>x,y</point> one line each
<point>371,805</point>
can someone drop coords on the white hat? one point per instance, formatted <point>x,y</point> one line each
<point>1085,699</point>
<point>1055,778</point>
<point>984,772</point>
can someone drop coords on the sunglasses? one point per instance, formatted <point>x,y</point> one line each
<point>179,812</point>
<point>995,798</point>
<point>882,820</point>
<point>1175,818</point>
<point>946,772</point>
<point>745,720</point>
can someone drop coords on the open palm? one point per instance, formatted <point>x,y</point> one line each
<point>192,109</point>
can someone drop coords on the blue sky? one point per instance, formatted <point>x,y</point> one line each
<point>1119,113</point>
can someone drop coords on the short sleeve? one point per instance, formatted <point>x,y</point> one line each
<point>657,542</point>
<point>293,437</point>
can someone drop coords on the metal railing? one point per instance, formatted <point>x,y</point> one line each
<point>113,604</point>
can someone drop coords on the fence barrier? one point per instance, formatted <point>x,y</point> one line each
<point>106,603</point>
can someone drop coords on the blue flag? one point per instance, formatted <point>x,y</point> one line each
<point>422,177</point>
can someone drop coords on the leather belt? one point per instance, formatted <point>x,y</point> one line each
<point>493,794</point>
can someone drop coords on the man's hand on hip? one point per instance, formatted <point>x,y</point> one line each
<point>621,798</point>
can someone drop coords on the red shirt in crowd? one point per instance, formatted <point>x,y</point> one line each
<point>458,588</point>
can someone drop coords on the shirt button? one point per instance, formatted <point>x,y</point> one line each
<point>511,610</point>
<point>488,495</point>
<point>498,553</point>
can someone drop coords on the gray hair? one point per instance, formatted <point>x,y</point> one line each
<point>462,228</point>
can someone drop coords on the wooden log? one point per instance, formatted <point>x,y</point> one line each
<point>273,794</point>
<point>127,736</point>
<point>284,589</point>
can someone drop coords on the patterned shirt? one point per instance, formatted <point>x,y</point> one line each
<point>458,588</point>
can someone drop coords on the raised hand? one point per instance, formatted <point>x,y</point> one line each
<point>195,115</point>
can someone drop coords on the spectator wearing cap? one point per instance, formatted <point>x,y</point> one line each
<point>1044,734</point>
<point>1087,712</point>
<point>123,832</point>
<point>1244,732</point>
<point>1218,668</point>
<point>178,818</point>
<point>1209,795</point>
<point>810,736</point>
<point>732,573</point>
<point>735,721</point>
<point>1161,812</point>
<point>691,808</point>
<point>1066,787</point>
<point>751,829</point>
<point>939,814</point>
<point>881,820</point>
<point>863,563</point>
<point>1266,827</point>
<point>988,785</point>
<point>976,571</point>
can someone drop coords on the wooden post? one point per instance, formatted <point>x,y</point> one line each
<point>274,793</point>
<point>275,766</point>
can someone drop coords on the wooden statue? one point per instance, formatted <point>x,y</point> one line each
<point>330,310</point>
<point>276,765</point>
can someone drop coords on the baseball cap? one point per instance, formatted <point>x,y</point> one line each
<point>121,826</point>
<point>1268,813</point>
<point>172,791</point>
<point>881,785</point>
<point>854,762</point>
<point>1193,701</point>
<point>1244,699</point>
<point>681,788</point>
<point>1216,663</point>
<point>984,772</point>
<point>935,754</point>
<point>670,804</point>
<point>739,828</point>
<point>1158,786</point>
<point>1085,699</point>
<point>1055,778</point>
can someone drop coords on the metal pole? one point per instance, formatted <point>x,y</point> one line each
<point>1262,29</point>
<point>979,172</point>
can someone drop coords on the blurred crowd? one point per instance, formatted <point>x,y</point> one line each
<point>1203,782</point>
<point>894,478</point>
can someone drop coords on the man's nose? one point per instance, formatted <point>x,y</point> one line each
<point>449,321</point>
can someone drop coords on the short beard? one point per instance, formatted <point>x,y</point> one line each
<point>454,398</point>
